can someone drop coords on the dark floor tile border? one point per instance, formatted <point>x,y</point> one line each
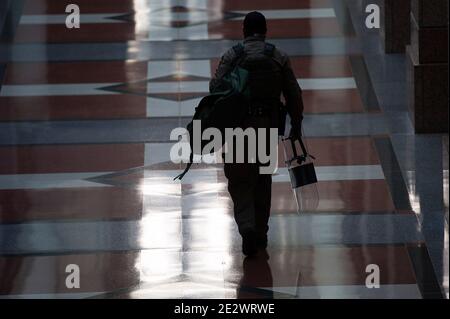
<point>344,18</point>
<point>364,83</point>
<point>4,17</point>
<point>2,73</point>
<point>392,173</point>
<point>426,276</point>
<point>14,11</point>
<point>424,271</point>
<point>11,17</point>
<point>358,64</point>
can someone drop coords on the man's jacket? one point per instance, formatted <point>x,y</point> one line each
<point>290,88</point>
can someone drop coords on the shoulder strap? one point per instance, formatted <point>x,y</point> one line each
<point>188,166</point>
<point>238,49</point>
<point>239,52</point>
<point>269,48</point>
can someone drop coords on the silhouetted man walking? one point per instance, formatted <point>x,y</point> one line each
<point>270,74</point>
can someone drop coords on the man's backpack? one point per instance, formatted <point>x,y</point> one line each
<point>249,80</point>
<point>265,77</point>
<point>219,110</point>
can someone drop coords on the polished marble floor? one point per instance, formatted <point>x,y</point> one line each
<point>86,178</point>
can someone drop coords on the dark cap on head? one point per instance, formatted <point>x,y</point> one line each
<point>254,23</point>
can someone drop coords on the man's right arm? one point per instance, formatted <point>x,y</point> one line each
<point>293,96</point>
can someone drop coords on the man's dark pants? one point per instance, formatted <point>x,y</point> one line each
<point>251,191</point>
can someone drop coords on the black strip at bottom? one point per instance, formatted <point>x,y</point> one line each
<point>425,275</point>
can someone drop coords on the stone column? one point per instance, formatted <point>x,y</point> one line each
<point>427,66</point>
<point>394,29</point>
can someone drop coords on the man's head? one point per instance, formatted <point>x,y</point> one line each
<point>254,23</point>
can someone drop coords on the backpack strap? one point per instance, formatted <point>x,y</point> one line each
<point>269,49</point>
<point>188,166</point>
<point>239,54</point>
<point>238,49</point>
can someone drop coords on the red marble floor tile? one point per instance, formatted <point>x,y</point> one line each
<point>90,32</point>
<point>99,272</point>
<point>368,196</point>
<point>321,66</point>
<point>74,72</point>
<point>86,6</point>
<point>70,158</point>
<point>320,266</point>
<point>294,267</point>
<point>74,107</point>
<point>329,151</point>
<point>338,151</point>
<point>343,196</point>
<point>280,28</point>
<point>270,5</point>
<point>313,67</point>
<point>88,203</point>
<point>332,101</point>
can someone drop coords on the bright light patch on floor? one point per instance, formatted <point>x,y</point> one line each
<point>161,231</point>
<point>149,188</point>
<point>159,265</point>
<point>141,16</point>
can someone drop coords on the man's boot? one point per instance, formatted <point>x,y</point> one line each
<point>249,243</point>
<point>261,240</point>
